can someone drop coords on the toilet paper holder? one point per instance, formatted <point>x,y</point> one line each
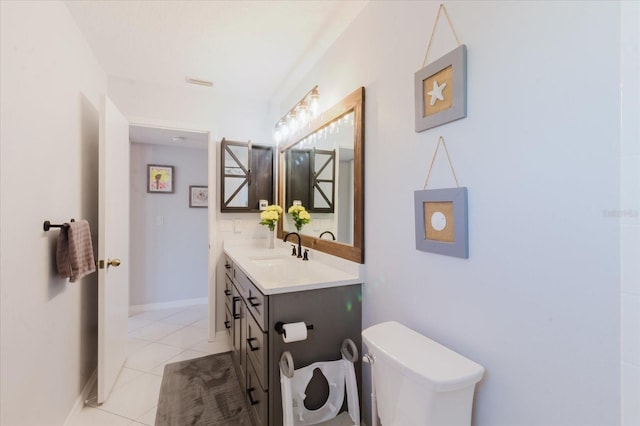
<point>279,327</point>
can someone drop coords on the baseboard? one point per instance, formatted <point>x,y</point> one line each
<point>136,309</point>
<point>223,339</point>
<point>84,395</point>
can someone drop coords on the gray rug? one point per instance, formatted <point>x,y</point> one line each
<point>202,391</point>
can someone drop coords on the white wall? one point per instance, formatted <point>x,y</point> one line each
<point>50,84</point>
<point>629,212</point>
<point>538,301</point>
<point>203,109</point>
<point>169,240</point>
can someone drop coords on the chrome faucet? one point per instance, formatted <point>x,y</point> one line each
<point>299,244</point>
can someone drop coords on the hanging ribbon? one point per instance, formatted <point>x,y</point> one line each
<point>453,172</point>
<point>433,31</point>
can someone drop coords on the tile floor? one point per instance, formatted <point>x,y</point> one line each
<point>156,338</point>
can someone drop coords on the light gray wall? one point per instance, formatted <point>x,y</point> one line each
<point>538,301</point>
<point>629,213</point>
<point>50,84</point>
<point>169,240</point>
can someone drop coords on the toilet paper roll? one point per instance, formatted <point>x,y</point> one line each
<point>294,332</point>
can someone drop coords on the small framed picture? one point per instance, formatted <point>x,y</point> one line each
<point>159,179</point>
<point>198,196</point>
<point>441,90</point>
<point>441,221</point>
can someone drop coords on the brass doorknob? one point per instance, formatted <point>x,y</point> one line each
<point>113,262</point>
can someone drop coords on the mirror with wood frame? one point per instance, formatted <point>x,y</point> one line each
<point>322,169</point>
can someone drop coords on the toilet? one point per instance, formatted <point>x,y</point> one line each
<point>416,381</point>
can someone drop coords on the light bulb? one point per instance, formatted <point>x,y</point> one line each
<point>291,122</point>
<point>314,102</point>
<point>301,113</point>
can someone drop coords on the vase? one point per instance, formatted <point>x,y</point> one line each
<point>271,239</point>
<point>298,228</point>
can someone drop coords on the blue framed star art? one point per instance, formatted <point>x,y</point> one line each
<point>441,90</point>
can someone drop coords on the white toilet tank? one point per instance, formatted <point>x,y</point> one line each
<point>417,381</point>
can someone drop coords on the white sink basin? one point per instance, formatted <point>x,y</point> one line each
<point>268,262</point>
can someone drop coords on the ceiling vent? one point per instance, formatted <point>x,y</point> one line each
<point>198,82</point>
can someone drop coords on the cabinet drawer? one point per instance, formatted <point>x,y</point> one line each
<point>228,266</point>
<point>256,303</point>
<point>257,351</point>
<point>257,397</point>
<point>228,292</point>
<point>243,284</point>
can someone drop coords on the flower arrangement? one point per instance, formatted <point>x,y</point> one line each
<point>270,216</point>
<point>300,216</point>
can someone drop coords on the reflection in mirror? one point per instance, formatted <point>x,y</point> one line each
<point>312,178</point>
<point>322,170</point>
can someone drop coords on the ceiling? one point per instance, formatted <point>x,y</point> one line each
<point>168,137</point>
<point>253,49</point>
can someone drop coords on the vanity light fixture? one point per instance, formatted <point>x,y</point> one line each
<point>298,117</point>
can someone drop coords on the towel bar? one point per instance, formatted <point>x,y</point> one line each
<point>48,225</point>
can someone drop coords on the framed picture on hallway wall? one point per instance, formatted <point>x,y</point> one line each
<point>159,179</point>
<point>198,196</point>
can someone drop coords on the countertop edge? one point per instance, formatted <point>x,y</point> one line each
<point>349,279</point>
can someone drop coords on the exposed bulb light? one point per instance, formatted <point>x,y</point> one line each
<point>292,123</point>
<point>314,102</point>
<point>301,114</point>
<point>298,117</point>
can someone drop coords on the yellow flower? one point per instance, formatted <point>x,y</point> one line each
<point>275,207</point>
<point>304,215</point>
<point>270,216</point>
<point>300,216</point>
<point>296,209</point>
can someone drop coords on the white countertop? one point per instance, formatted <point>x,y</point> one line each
<point>275,271</point>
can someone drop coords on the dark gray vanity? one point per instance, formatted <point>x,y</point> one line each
<point>264,287</point>
<point>321,167</point>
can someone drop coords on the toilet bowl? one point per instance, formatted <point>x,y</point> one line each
<point>416,381</point>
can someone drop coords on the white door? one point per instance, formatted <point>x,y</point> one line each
<point>113,246</point>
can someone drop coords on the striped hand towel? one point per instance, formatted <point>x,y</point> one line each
<point>74,253</point>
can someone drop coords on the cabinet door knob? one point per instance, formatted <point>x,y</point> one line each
<point>255,305</point>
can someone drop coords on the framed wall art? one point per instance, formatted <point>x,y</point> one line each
<point>441,90</point>
<point>159,179</point>
<point>198,196</point>
<point>441,221</point>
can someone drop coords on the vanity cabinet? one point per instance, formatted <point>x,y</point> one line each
<point>334,312</point>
